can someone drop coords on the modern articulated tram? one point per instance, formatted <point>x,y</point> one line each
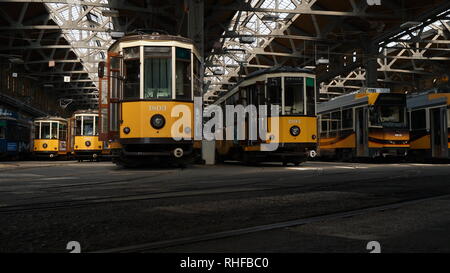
<point>370,123</point>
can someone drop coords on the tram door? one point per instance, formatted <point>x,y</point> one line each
<point>115,92</point>
<point>362,132</point>
<point>439,135</point>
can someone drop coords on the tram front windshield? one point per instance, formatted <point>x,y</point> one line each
<point>388,115</point>
<point>166,71</point>
<point>86,126</point>
<point>48,130</point>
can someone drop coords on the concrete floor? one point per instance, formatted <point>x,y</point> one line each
<point>44,205</point>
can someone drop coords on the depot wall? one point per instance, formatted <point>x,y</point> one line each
<point>25,89</point>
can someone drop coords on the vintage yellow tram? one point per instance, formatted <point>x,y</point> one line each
<point>293,91</point>
<point>429,114</point>
<point>370,123</point>
<point>84,139</point>
<point>51,137</point>
<point>149,77</point>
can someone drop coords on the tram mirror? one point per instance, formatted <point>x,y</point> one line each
<point>101,69</point>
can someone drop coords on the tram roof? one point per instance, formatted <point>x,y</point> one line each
<point>269,71</point>
<point>51,119</point>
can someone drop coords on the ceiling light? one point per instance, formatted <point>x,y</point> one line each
<point>16,60</point>
<point>247,40</point>
<point>219,72</point>
<point>117,34</point>
<point>110,13</point>
<point>410,24</point>
<point>322,61</point>
<point>270,17</point>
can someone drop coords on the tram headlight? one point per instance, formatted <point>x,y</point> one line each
<point>126,130</point>
<point>88,143</point>
<point>45,145</point>
<point>157,121</point>
<point>295,130</point>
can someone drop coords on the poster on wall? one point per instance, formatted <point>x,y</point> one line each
<point>8,113</point>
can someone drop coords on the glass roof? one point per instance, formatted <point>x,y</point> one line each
<point>234,52</point>
<point>90,38</point>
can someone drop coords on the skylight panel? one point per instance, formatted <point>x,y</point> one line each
<point>83,40</point>
<point>251,23</point>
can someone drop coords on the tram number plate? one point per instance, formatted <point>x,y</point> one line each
<point>157,108</point>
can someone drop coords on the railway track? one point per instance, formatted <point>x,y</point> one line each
<point>152,246</point>
<point>183,193</point>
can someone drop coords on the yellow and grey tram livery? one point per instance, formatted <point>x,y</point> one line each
<point>370,123</point>
<point>429,114</point>
<point>50,137</point>
<point>85,141</point>
<point>293,90</point>
<point>148,75</point>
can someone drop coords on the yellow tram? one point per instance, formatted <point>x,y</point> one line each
<point>293,91</point>
<point>370,123</point>
<point>429,114</point>
<point>147,77</point>
<point>50,137</point>
<point>84,139</point>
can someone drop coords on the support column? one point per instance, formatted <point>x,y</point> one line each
<point>371,51</point>
<point>196,24</point>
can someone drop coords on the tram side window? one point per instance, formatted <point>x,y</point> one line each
<point>62,131</point>
<point>104,91</point>
<point>88,126</point>
<point>96,126</point>
<point>157,72</point>
<point>418,119</point>
<point>198,86</point>
<point>274,92</point>
<point>54,130</point>
<point>236,98</point>
<point>294,96</point>
<point>104,120</point>
<point>448,118</point>
<point>113,123</point>
<point>183,74</point>
<point>45,130</point>
<point>116,91</point>
<point>336,121</point>
<point>132,73</point>
<point>324,128</point>
<point>347,119</point>
<point>36,130</point>
<point>310,96</point>
<point>243,96</point>
<point>252,96</point>
<point>78,126</point>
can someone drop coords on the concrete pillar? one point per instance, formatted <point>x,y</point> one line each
<point>196,24</point>
<point>209,152</point>
<point>371,51</point>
